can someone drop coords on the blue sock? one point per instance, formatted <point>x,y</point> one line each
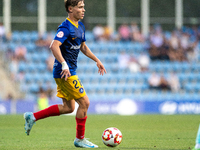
<point>198,136</point>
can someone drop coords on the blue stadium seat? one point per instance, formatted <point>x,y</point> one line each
<point>34,88</point>
<point>16,36</point>
<point>41,67</point>
<point>31,67</point>
<point>37,77</point>
<point>22,66</point>
<point>28,77</point>
<point>26,36</point>
<point>34,36</point>
<point>31,47</point>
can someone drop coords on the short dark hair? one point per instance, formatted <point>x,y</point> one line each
<point>71,3</point>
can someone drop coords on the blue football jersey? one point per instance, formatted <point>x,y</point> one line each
<point>71,37</point>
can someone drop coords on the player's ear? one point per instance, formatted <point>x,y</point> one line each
<point>70,9</point>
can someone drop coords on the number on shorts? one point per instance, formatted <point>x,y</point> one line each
<point>75,82</point>
<point>80,82</point>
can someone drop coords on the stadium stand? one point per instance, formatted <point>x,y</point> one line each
<point>117,83</point>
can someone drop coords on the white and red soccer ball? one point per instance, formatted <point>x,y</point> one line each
<point>112,137</point>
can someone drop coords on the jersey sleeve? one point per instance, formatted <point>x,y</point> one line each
<point>83,38</point>
<point>62,34</point>
<point>83,34</point>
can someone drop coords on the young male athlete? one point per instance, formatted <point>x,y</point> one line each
<point>69,40</point>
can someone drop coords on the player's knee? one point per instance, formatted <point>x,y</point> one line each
<point>84,105</point>
<point>69,109</point>
<point>87,104</point>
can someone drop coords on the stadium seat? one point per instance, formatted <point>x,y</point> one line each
<point>33,88</point>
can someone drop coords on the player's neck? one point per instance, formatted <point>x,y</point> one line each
<point>75,21</point>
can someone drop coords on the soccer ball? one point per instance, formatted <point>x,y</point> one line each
<point>112,137</point>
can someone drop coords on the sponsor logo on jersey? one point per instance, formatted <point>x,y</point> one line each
<point>81,90</point>
<point>60,34</point>
<point>75,47</point>
<point>74,38</point>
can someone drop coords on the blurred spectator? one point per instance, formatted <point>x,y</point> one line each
<point>156,39</point>
<point>16,74</point>
<point>98,32</point>
<point>14,68</point>
<point>179,46</point>
<point>134,66</point>
<point>184,41</point>
<point>139,64</point>
<point>107,33</point>
<point>154,81</point>
<point>43,101</point>
<point>154,53</point>
<point>20,53</point>
<point>50,63</point>
<point>124,32</point>
<point>164,85</point>
<point>2,31</point>
<point>156,42</point>
<point>123,60</point>
<point>40,42</point>
<point>193,52</point>
<point>135,33</point>
<point>174,41</point>
<point>9,97</point>
<point>177,55</point>
<point>20,76</point>
<point>158,82</point>
<point>164,50</point>
<point>44,41</point>
<point>174,83</point>
<point>143,61</point>
<point>2,36</point>
<point>49,90</point>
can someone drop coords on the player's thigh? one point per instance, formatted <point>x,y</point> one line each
<point>83,101</point>
<point>68,103</point>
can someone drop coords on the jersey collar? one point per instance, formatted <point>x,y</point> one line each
<point>72,23</point>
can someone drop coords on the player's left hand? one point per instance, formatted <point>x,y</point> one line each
<point>101,70</point>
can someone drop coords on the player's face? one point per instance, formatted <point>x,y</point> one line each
<point>79,10</point>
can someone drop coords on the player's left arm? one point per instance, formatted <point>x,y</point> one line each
<point>86,51</point>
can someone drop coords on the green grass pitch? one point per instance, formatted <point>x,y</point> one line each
<point>140,132</point>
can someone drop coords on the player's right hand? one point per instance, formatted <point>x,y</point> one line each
<point>65,74</point>
<point>65,71</point>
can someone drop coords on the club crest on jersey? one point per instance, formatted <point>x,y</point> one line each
<point>81,90</point>
<point>60,34</point>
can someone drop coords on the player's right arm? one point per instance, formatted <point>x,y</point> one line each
<point>55,48</point>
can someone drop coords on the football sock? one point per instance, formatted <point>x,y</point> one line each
<point>80,127</point>
<point>198,139</point>
<point>47,112</point>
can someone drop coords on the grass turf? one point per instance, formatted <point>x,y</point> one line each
<point>140,132</point>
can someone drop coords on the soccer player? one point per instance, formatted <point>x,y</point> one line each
<point>68,41</point>
<point>197,145</point>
